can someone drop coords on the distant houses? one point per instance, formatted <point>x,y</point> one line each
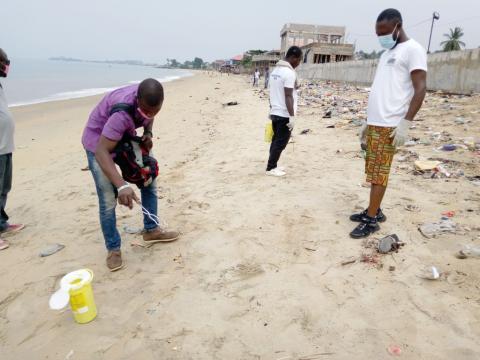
<point>320,44</point>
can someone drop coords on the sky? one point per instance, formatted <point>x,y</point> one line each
<point>154,30</point>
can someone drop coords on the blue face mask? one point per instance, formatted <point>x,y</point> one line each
<point>387,41</point>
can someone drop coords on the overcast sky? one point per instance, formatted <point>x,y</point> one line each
<point>153,30</point>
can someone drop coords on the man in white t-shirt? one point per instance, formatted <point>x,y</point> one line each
<point>7,129</point>
<point>283,106</point>
<point>397,95</point>
<point>256,77</point>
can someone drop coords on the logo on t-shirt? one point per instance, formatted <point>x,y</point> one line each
<point>391,61</point>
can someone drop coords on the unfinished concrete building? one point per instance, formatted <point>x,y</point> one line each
<point>320,44</point>
<point>266,60</point>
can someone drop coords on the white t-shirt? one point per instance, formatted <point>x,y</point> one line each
<point>257,75</point>
<point>392,89</point>
<point>281,77</point>
<point>7,126</point>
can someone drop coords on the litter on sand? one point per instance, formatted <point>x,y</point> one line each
<point>305,132</point>
<point>430,230</point>
<point>394,350</point>
<point>468,251</point>
<point>389,243</point>
<point>132,229</point>
<point>51,249</point>
<point>425,165</point>
<point>429,273</point>
<point>231,103</point>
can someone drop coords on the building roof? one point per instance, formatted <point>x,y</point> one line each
<point>325,45</point>
<point>313,29</point>
<point>238,57</point>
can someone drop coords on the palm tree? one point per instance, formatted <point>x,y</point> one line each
<point>453,43</point>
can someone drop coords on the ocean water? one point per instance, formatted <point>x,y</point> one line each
<point>36,81</point>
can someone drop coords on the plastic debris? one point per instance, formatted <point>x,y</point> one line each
<point>389,243</point>
<point>424,165</point>
<point>429,273</point>
<point>51,249</point>
<point>448,214</point>
<point>449,147</point>
<point>430,230</point>
<point>468,251</point>
<point>394,350</point>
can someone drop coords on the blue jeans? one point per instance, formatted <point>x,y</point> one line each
<point>107,201</point>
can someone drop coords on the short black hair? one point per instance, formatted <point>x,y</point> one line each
<point>3,55</point>
<point>390,15</point>
<point>295,52</point>
<point>150,91</point>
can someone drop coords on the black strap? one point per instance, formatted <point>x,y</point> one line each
<point>128,108</point>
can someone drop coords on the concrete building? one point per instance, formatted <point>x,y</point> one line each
<point>320,53</point>
<point>320,44</point>
<point>304,34</point>
<point>268,59</point>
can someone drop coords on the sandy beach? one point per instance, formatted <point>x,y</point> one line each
<point>265,268</point>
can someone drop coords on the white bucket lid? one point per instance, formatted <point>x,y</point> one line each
<point>61,297</point>
<point>84,275</point>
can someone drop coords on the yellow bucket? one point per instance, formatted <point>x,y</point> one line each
<point>82,302</point>
<point>268,132</point>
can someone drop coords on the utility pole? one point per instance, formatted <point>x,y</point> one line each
<point>435,16</point>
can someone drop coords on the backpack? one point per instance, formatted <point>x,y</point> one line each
<point>134,160</point>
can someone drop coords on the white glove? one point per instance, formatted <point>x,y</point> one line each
<point>291,123</point>
<point>362,135</point>
<point>400,133</point>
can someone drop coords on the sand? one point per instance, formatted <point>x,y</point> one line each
<point>258,271</point>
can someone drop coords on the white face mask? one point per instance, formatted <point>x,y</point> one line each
<point>387,41</point>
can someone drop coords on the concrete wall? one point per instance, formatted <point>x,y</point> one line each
<point>456,71</point>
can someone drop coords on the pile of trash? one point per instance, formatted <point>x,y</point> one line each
<point>340,101</point>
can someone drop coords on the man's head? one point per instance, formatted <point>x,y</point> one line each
<point>294,56</point>
<point>4,63</point>
<point>389,27</point>
<point>150,97</point>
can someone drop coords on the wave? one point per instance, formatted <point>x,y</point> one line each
<point>68,95</point>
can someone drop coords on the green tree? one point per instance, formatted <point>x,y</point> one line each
<point>453,43</point>
<point>197,63</point>
<point>174,63</point>
<point>187,64</point>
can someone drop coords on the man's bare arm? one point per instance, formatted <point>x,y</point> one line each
<point>419,81</point>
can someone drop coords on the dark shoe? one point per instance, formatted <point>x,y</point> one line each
<point>114,260</point>
<point>358,217</point>
<point>365,228</point>
<point>160,235</point>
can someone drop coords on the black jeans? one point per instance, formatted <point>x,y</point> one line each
<point>281,135</point>
<point>5,187</point>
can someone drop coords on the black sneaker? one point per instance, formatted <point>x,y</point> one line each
<point>358,217</point>
<point>367,226</point>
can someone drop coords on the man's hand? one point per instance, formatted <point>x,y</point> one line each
<point>127,196</point>
<point>362,135</point>
<point>400,134</point>
<point>291,123</point>
<point>147,141</point>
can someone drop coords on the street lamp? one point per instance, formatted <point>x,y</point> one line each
<point>436,16</point>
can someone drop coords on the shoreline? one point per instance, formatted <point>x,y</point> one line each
<point>90,92</point>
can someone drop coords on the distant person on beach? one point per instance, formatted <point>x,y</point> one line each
<point>396,96</point>
<point>7,129</point>
<point>267,77</point>
<point>283,106</point>
<point>256,77</point>
<point>102,133</point>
